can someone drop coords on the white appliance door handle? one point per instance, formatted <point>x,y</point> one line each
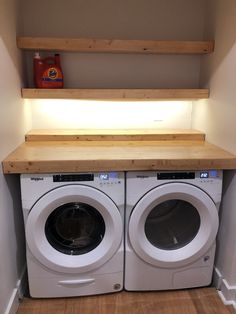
<point>78,282</point>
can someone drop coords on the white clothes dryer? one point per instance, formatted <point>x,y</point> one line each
<point>74,233</point>
<point>171,226</point>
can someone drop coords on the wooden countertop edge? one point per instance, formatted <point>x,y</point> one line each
<point>113,135</point>
<point>115,165</point>
<point>52,157</point>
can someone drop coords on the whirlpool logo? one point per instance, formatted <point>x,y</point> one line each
<point>36,179</point>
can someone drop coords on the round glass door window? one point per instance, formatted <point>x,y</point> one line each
<point>75,228</point>
<point>172,224</point>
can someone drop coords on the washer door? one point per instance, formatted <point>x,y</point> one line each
<point>74,229</point>
<point>173,225</point>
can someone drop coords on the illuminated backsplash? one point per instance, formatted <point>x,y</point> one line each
<point>110,114</point>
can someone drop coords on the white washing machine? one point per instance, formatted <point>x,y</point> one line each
<point>74,233</point>
<point>171,226</point>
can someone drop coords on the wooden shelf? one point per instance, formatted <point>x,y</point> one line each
<point>38,135</point>
<point>116,94</point>
<point>115,45</point>
<point>80,156</point>
<point>78,150</point>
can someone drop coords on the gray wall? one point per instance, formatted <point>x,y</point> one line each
<point>140,19</point>
<point>124,19</point>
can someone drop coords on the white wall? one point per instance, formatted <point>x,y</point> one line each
<point>110,115</point>
<point>217,118</point>
<point>124,19</point>
<point>14,121</point>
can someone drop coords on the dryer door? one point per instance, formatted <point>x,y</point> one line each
<point>173,225</point>
<point>74,229</point>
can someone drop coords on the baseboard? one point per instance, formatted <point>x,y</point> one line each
<point>17,294</point>
<point>226,292</point>
<point>217,278</point>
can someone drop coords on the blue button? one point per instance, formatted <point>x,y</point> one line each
<point>213,173</point>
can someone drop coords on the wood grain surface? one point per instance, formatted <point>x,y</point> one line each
<point>114,135</point>
<point>115,45</point>
<point>115,94</point>
<point>192,301</point>
<point>79,156</point>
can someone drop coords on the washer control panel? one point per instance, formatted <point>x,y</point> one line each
<point>108,178</point>
<point>73,177</point>
<point>209,176</point>
<point>33,186</point>
<point>103,178</point>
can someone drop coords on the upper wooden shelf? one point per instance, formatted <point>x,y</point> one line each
<point>115,94</point>
<point>115,45</point>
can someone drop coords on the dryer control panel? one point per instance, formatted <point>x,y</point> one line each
<point>175,175</point>
<point>209,174</point>
<point>208,180</point>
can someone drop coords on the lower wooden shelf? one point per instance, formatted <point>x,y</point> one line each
<point>115,94</point>
<point>38,135</point>
<point>79,150</point>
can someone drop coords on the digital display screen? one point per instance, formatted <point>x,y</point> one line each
<point>104,176</point>
<point>204,175</point>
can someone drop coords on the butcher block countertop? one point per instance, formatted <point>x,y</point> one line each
<point>50,151</point>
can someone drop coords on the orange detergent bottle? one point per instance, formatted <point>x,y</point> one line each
<point>48,72</point>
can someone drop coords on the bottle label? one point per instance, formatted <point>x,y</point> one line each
<point>52,75</point>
